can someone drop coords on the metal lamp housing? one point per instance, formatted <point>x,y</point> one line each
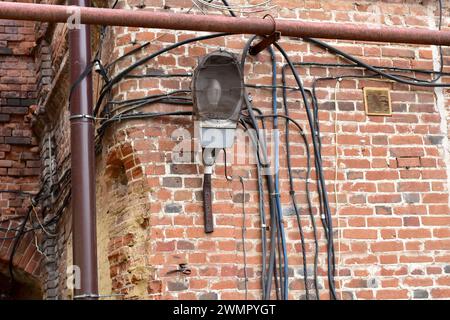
<point>218,95</point>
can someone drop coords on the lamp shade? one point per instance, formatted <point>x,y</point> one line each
<point>218,87</point>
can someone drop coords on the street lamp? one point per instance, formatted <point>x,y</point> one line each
<point>218,95</point>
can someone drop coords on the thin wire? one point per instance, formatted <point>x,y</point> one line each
<point>38,249</point>
<point>336,199</point>
<point>40,224</point>
<point>244,228</point>
<point>251,8</point>
<point>413,82</point>
<point>14,248</point>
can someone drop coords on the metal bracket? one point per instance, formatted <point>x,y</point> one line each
<point>182,268</point>
<point>268,40</point>
<point>97,296</point>
<point>264,43</point>
<point>81,116</point>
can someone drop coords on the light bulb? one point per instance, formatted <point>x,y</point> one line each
<point>214,92</point>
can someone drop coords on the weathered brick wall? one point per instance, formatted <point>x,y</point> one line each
<point>392,217</point>
<point>19,154</point>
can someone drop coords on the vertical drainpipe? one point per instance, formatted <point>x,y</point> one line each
<point>82,161</point>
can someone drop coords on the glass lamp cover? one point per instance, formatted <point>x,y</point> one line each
<point>218,87</point>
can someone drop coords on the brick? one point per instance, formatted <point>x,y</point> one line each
<point>209,296</point>
<point>154,287</point>
<point>18,140</point>
<point>5,163</point>
<point>172,182</point>
<point>408,162</point>
<point>414,233</point>
<point>173,208</point>
<point>177,286</point>
<point>435,198</point>
<point>165,246</point>
<point>387,246</point>
<point>382,175</point>
<point>14,110</point>
<point>360,234</point>
<point>392,294</point>
<point>5,51</point>
<point>440,293</point>
<point>386,198</point>
<point>183,169</point>
<point>420,294</point>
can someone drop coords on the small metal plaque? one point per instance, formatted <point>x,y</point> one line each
<point>377,101</point>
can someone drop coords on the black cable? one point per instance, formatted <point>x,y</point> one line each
<point>143,60</point>
<point>244,229</point>
<point>159,75</point>
<point>129,53</point>
<point>417,82</point>
<point>14,249</point>
<point>166,100</point>
<point>344,65</point>
<point>318,161</point>
<point>271,270</point>
<point>135,116</point>
<point>441,54</point>
<point>293,199</point>
<point>225,2</point>
<point>87,70</point>
<point>138,100</point>
<point>262,211</point>
<point>270,186</point>
<point>291,184</point>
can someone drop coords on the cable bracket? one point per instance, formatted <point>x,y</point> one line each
<point>97,296</point>
<point>267,40</point>
<point>81,116</point>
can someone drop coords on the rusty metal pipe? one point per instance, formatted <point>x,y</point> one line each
<point>83,162</point>
<point>216,23</point>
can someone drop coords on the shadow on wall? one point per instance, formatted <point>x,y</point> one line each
<point>24,288</point>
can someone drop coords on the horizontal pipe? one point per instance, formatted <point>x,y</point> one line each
<point>217,23</point>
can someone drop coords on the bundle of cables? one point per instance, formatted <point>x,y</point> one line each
<point>263,5</point>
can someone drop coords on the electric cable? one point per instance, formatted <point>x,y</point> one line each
<point>143,60</point>
<point>135,116</point>
<point>277,180</point>
<point>318,161</point>
<point>264,5</point>
<point>416,82</point>
<point>244,229</point>
<point>167,100</point>
<point>159,75</point>
<point>441,54</point>
<point>353,65</point>
<point>262,212</point>
<point>270,185</point>
<point>14,248</point>
<point>308,195</point>
<point>129,53</point>
<point>271,270</point>
<point>126,103</point>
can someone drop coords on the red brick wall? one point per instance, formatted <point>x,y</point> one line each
<point>19,154</point>
<point>392,218</point>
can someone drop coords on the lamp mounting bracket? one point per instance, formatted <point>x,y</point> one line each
<point>264,43</point>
